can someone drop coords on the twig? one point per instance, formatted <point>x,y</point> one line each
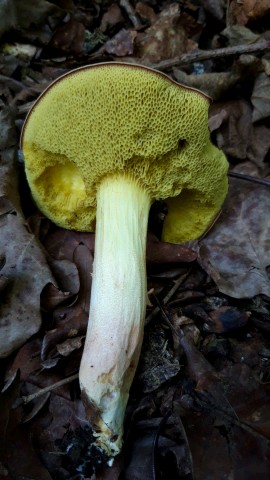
<point>155,453</point>
<point>25,107</point>
<point>201,55</point>
<point>33,396</point>
<point>13,84</point>
<point>125,4</point>
<point>249,178</point>
<point>165,300</point>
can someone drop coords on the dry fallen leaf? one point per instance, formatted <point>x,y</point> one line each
<point>215,8</point>
<point>158,444</point>
<point>71,320</point>
<point>213,84</point>
<point>146,12</point>
<point>27,271</point>
<point>239,35</point>
<point>23,267</point>
<point>164,253</point>
<point>236,253</point>
<point>237,135</point>
<point>234,133</point>
<point>18,458</point>
<point>7,131</point>
<point>260,97</point>
<point>122,43</point>
<point>165,38</point>
<point>111,18</point>
<point>69,38</point>
<point>226,410</point>
<point>259,148</point>
<point>33,18</point>
<point>245,11</point>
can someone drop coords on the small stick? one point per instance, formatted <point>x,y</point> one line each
<point>165,300</point>
<point>201,55</point>
<point>33,396</point>
<point>25,107</point>
<point>249,178</point>
<point>125,4</point>
<point>12,83</point>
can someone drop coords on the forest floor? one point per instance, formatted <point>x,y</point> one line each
<point>199,406</point>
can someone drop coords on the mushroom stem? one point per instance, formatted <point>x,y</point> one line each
<point>117,309</point>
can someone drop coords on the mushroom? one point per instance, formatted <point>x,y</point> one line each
<point>100,145</point>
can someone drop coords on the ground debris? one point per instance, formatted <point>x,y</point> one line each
<point>199,404</point>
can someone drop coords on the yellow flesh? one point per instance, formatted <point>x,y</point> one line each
<point>118,119</point>
<point>192,212</point>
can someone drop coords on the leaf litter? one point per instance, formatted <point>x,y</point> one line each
<point>244,236</point>
<point>199,405</point>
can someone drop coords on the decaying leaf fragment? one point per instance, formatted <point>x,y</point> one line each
<point>213,84</point>
<point>165,38</point>
<point>235,129</point>
<point>236,253</point>
<point>261,97</point>
<point>245,11</point>
<point>24,269</point>
<point>27,271</point>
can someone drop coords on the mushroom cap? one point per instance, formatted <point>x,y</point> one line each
<point>192,212</point>
<point>116,119</point>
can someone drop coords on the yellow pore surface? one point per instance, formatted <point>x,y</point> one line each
<point>110,120</point>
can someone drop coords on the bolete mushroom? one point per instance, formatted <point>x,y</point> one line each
<point>100,145</point>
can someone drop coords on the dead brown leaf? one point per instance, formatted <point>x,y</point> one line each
<point>215,8</point>
<point>28,273</point>
<point>68,346</point>
<point>234,133</point>
<point>146,12</point>
<point>237,135</point>
<point>24,265</point>
<point>7,131</point>
<point>51,297</point>
<point>236,252</point>
<point>71,321</point>
<point>61,243</point>
<point>260,97</point>
<point>69,38</point>
<point>66,274</point>
<point>158,444</point>
<point>111,18</point>
<point>35,374</point>
<point>240,35</point>
<point>213,84</point>
<point>122,43</point>
<point>38,13</point>
<point>18,458</point>
<point>31,18</point>
<point>162,253</point>
<point>165,38</point>
<point>27,360</point>
<point>225,416</point>
<point>248,10</point>
<point>217,118</point>
<point>65,441</point>
<point>225,319</point>
<point>259,148</point>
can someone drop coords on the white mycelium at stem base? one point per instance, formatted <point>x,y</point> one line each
<point>117,309</point>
